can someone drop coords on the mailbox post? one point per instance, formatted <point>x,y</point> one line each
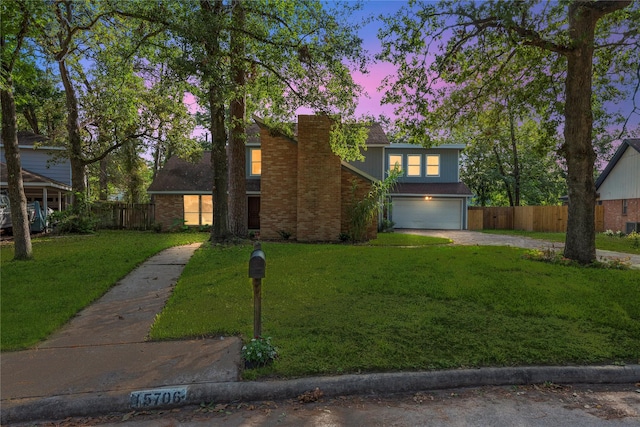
<point>257,267</point>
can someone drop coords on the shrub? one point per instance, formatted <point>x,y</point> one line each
<point>550,255</point>
<point>259,352</point>
<point>76,219</point>
<point>284,234</point>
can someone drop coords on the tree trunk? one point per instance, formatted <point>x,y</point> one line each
<point>516,163</point>
<point>73,129</point>
<point>220,229</point>
<point>580,244</point>
<point>19,214</point>
<point>103,180</point>
<point>237,155</point>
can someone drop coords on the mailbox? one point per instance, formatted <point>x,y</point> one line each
<point>257,263</point>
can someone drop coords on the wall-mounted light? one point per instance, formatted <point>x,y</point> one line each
<point>427,197</point>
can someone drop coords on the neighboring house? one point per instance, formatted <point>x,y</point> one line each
<point>46,174</point>
<point>299,187</point>
<point>618,188</point>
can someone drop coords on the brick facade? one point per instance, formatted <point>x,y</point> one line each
<point>613,217</point>
<point>278,186</point>
<point>319,201</point>
<point>169,208</point>
<point>305,191</point>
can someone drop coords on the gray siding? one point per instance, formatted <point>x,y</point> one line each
<point>372,163</point>
<point>448,163</point>
<point>41,162</point>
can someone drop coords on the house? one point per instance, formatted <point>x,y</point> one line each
<point>46,172</point>
<point>296,186</point>
<point>429,194</point>
<point>618,188</point>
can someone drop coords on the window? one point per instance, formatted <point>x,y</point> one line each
<point>395,161</point>
<point>414,166</point>
<point>625,206</point>
<point>256,161</point>
<point>433,165</point>
<point>198,209</point>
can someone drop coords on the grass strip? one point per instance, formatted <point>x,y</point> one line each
<point>603,242</point>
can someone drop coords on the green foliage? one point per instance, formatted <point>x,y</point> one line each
<point>408,308</point>
<point>553,256</point>
<point>78,218</point>
<point>259,352</point>
<point>284,234</point>
<point>67,274</point>
<point>362,211</point>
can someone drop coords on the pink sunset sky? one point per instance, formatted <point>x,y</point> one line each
<point>371,104</point>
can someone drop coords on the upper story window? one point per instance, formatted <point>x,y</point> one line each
<point>414,165</point>
<point>395,161</point>
<point>433,164</point>
<point>256,161</point>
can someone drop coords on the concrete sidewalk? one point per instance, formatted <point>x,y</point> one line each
<point>97,362</point>
<point>102,353</point>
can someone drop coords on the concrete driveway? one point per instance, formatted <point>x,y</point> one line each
<point>466,237</point>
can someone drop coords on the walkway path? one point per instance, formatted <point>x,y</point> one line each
<point>103,350</point>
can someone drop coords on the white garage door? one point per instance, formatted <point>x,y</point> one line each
<point>436,214</point>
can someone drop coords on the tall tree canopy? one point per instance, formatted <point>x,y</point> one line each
<point>562,60</point>
<point>258,57</point>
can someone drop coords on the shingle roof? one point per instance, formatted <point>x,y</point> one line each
<point>182,176</point>
<point>32,179</point>
<point>436,188</point>
<point>29,138</point>
<point>633,143</point>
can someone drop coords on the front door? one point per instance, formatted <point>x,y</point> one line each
<point>253,206</point>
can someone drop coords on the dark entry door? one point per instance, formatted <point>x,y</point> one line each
<point>253,206</point>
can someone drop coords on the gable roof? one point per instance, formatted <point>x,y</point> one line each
<point>632,143</point>
<point>32,179</point>
<point>183,177</point>
<point>179,176</point>
<point>27,139</point>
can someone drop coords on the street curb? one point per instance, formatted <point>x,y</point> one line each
<point>88,404</point>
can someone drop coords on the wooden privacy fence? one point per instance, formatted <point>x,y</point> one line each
<point>529,218</point>
<point>128,216</point>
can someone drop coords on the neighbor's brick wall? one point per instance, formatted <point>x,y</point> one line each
<point>278,187</point>
<point>168,209</point>
<point>319,181</point>
<point>613,218</point>
<point>362,189</point>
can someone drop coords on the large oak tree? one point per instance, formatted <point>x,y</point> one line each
<point>590,47</point>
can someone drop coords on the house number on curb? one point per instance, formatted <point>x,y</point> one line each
<point>158,397</point>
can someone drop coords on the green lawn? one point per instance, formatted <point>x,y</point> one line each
<point>67,274</point>
<point>617,244</point>
<point>334,309</point>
